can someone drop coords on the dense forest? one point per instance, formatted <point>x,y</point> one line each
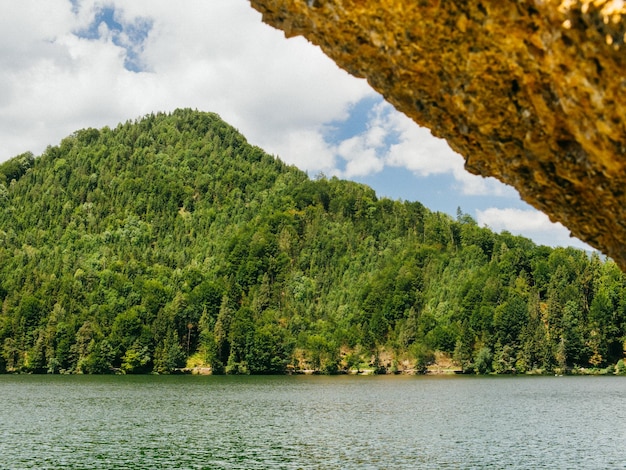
<point>170,242</point>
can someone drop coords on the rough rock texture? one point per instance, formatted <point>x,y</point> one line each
<point>532,92</point>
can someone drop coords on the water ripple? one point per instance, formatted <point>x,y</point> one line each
<point>311,422</point>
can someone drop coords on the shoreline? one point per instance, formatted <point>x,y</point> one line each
<point>428,372</point>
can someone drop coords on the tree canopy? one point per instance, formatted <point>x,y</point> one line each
<point>171,241</point>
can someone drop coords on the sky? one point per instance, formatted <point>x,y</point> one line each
<point>71,64</point>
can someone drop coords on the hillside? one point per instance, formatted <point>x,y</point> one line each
<point>170,241</point>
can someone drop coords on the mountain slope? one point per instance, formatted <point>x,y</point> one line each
<point>171,239</point>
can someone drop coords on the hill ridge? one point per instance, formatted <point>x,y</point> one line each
<point>171,241</point>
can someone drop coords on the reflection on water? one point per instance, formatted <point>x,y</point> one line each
<point>151,422</point>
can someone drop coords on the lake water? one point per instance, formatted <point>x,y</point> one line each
<point>311,422</point>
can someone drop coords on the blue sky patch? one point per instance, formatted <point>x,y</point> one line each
<point>438,192</point>
<point>360,115</point>
<point>127,35</point>
<point>433,191</point>
<point>75,6</point>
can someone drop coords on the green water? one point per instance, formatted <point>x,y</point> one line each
<point>160,422</point>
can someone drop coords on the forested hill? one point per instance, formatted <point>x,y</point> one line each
<point>171,241</point>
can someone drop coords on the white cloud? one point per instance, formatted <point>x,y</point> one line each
<point>529,223</point>
<point>212,55</point>
<point>423,154</point>
<point>215,56</point>
<point>56,82</point>
<point>393,139</point>
<point>360,156</point>
<point>308,150</point>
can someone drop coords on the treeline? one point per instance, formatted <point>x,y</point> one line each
<point>170,241</point>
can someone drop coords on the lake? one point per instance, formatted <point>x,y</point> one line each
<point>311,422</point>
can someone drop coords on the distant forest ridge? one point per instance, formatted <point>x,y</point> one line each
<point>170,242</point>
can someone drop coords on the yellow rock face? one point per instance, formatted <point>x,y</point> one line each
<point>532,92</point>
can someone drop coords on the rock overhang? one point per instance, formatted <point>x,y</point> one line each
<point>531,92</point>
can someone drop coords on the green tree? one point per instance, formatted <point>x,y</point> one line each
<point>169,354</point>
<point>99,359</point>
<point>483,360</point>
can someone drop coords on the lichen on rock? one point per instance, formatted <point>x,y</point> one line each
<point>532,92</point>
